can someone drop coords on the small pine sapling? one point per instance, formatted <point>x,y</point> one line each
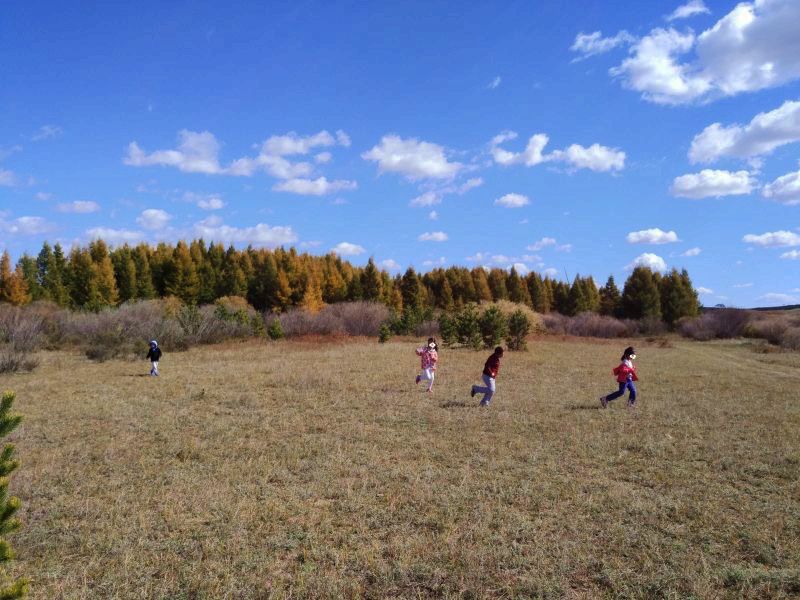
<point>8,504</point>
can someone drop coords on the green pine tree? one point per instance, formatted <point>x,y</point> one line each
<point>8,504</point>
<point>640,296</point>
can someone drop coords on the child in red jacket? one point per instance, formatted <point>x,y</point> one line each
<point>626,375</point>
<point>428,357</point>
<point>489,375</point>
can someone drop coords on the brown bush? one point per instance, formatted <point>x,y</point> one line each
<point>721,323</point>
<point>791,339</point>
<point>768,329</point>
<point>590,324</point>
<point>345,318</point>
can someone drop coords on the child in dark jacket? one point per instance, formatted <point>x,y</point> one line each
<point>489,375</point>
<point>626,375</point>
<point>154,354</point>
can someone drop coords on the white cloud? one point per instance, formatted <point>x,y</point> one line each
<point>437,194</point>
<point>291,143</point>
<point>323,158</point>
<point>260,235</point>
<point>428,198</point>
<point>765,132</point>
<point>46,132</point>
<point>316,187</point>
<point>773,239</point>
<point>589,44</point>
<point>542,243</point>
<point>791,255</point>
<point>649,260</point>
<point>779,299</point>
<point>692,252</point>
<point>743,285</point>
<point>495,83</point>
<point>550,272</point>
<point>434,236</point>
<point>25,226</point>
<point>439,262</point>
<point>348,249</point>
<point>704,290</point>
<point>210,203</point>
<point>785,189</point>
<point>342,138</point>
<point>390,265</point>
<point>197,152</point>
<point>153,219</point>
<point>652,236</point>
<point>433,215</point>
<point>43,196</point>
<point>521,268</point>
<point>512,201</point>
<point>753,47</point>
<point>690,9</point>
<point>713,183</point>
<point>7,178</point>
<point>115,237</point>
<point>79,206</point>
<point>595,157</point>
<point>412,158</point>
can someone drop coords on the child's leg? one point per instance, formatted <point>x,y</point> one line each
<point>489,390</point>
<point>154,369</point>
<point>428,376</point>
<point>617,394</point>
<point>632,395</point>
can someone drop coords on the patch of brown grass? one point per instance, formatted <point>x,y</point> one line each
<point>312,469</point>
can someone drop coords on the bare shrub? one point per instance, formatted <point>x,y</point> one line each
<point>427,329</point>
<point>508,308</point>
<point>791,339</point>
<point>555,323</point>
<point>21,334</point>
<point>346,318</point>
<point>768,329</point>
<point>593,325</point>
<point>722,324</point>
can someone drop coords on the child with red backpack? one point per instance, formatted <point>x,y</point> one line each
<point>626,375</point>
<point>428,357</point>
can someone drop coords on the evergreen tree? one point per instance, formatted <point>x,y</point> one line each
<point>27,267</point>
<point>610,298</point>
<point>591,293</point>
<point>517,288</point>
<point>577,302</point>
<point>411,290</point>
<point>104,273</point>
<point>497,283</point>
<point>83,288</point>
<point>13,287</point>
<point>312,295</point>
<point>371,284</point>
<point>561,291</point>
<point>540,298</point>
<point>640,296</point>
<point>144,276</point>
<point>678,298</point>
<point>124,273</point>
<point>186,282</point>
<point>483,292</point>
<point>8,505</point>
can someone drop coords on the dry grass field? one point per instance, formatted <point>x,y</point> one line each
<point>318,470</point>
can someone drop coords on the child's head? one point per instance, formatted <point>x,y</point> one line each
<point>499,351</point>
<point>629,353</point>
<point>153,344</point>
<point>432,343</point>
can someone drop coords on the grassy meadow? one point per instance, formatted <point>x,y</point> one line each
<point>319,470</point>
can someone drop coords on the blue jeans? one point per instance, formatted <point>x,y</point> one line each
<point>621,391</point>
<point>487,391</point>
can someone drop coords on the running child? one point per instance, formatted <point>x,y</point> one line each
<point>626,375</point>
<point>154,354</point>
<point>428,356</point>
<point>490,370</point>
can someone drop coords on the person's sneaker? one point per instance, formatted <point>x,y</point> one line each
<point>483,403</point>
<point>603,402</point>
<point>428,391</point>
<point>418,378</point>
<point>631,404</point>
<point>472,392</point>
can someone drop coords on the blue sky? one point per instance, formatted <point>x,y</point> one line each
<point>556,136</point>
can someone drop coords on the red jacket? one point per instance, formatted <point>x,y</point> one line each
<point>492,366</point>
<point>623,372</point>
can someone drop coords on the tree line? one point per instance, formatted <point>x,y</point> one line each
<point>94,277</point>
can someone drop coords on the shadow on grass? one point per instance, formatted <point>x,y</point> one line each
<point>595,406</point>
<point>456,404</point>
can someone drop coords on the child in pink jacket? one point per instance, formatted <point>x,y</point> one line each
<point>626,375</point>
<point>428,357</point>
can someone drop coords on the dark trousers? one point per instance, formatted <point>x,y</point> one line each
<point>621,391</point>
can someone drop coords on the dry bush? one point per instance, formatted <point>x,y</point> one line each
<point>791,339</point>
<point>722,323</point>
<point>427,329</point>
<point>21,334</point>
<point>590,325</point>
<point>345,318</point>
<point>769,329</point>
<point>508,308</point>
